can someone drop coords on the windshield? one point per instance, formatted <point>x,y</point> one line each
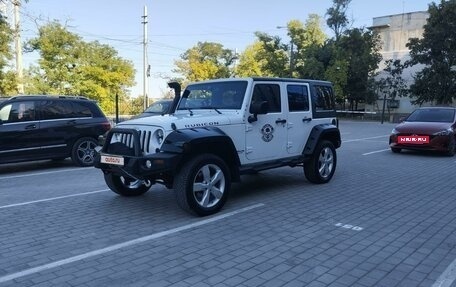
<point>158,107</point>
<point>217,95</point>
<point>432,115</point>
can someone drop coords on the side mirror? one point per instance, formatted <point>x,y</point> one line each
<point>259,108</point>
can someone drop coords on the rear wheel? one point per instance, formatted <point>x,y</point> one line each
<point>83,152</point>
<point>126,186</point>
<point>320,168</point>
<point>202,185</point>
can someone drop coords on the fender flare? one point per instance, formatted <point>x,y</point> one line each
<point>192,141</point>
<point>322,132</point>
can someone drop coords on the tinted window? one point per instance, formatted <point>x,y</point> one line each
<point>269,93</point>
<point>53,109</point>
<point>80,110</point>
<point>18,112</point>
<point>432,115</point>
<point>298,98</point>
<point>324,98</point>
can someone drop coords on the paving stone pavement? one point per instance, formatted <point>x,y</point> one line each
<point>384,220</point>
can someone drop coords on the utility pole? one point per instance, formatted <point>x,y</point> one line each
<point>18,45</point>
<point>146,66</point>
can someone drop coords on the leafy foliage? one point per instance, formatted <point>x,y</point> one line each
<point>249,62</point>
<point>436,82</point>
<point>309,39</point>
<point>70,66</point>
<point>205,61</point>
<point>393,85</point>
<point>337,18</point>
<point>8,79</point>
<point>360,49</point>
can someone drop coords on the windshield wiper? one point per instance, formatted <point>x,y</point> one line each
<point>212,108</point>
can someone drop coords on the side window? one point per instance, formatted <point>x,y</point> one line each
<point>324,98</point>
<point>18,112</point>
<point>269,93</point>
<point>80,110</point>
<point>298,98</point>
<point>51,110</point>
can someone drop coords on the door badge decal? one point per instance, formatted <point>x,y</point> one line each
<point>267,131</point>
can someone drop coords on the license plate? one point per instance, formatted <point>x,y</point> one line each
<point>115,160</point>
<point>413,139</point>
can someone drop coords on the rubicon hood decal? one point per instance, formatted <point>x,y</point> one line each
<point>181,121</point>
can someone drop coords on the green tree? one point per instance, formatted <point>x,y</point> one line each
<point>249,62</point>
<point>308,38</point>
<point>274,55</point>
<point>70,66</point>
<point>360,49</point>
<point>8,79</point>
<point>206,60</point>
<point>337,19</point>
<point>436,82</point>
<point>392,85</point>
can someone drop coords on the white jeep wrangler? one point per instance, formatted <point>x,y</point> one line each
<point>219,130</point>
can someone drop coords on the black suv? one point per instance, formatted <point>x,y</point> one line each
<point>50,127</point>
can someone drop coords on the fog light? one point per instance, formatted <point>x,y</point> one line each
<point>148,164</point>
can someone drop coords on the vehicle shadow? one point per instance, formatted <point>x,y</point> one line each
<point>424,153</point>
<point>8,168</point>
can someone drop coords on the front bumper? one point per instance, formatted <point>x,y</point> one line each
<point>436,143</point>
<point>131,159</point>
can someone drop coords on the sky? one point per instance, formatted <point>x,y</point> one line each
<point>175,26</point>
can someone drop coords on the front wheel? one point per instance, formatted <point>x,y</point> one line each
<point>451,147</point>
<point>202,185</point>
<point>321,166</point>
<point>395,150</point>
<point>126,186</point>
<point>83,152</point>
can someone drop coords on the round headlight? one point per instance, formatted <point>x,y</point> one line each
<point>159,136</point>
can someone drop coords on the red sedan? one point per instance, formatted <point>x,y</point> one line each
<point>432,128</point>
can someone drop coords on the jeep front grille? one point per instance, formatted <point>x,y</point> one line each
<point>125,139</point>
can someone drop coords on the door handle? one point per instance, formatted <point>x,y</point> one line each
<point>280,121</point>
<point>30,127</point>
<point>306,119</point>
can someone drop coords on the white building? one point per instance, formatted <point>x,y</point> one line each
<point>395,32</point>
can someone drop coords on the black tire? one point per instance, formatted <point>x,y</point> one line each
<point>126,186</point>
<point>83,152</point>
<point>396,150</point>
<point>212,175</point>
<point>321,166</point>
<point>451,147</point>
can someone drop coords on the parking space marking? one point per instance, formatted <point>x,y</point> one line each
<point>447,277</point>
<point>377,151</point>
<point>42,173</point>
<point>52,198</point>
<point>124,244</point>
<point>363,139</point>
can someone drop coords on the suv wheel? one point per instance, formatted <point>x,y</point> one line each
<point>83,153</point>
<point>321,166</point>
<point>202,185</point>
<point>126,186</point>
